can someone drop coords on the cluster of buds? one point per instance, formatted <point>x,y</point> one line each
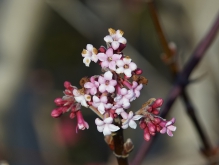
<point>109,95</point>
<point>151,122</point>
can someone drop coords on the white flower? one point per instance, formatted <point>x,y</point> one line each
<point>89,54</point>
<point>81,98</point>
<point>128,120</point>
<point>115,38</point>
<point>101,103</point>
<point>106,126</point>
<point>126,66</point>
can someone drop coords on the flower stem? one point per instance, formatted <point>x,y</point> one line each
<point>118,140</point>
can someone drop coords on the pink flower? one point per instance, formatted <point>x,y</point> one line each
<point>89,54</point>
<point>169,127</point>
<point>115,38</point>
<point>128,120</point>
<point>107,83</point>
<point>92,85</point>
<point>101,103</point>
<point>126,66</point>
<point>109,59</point>
<point>82,124</point>
<point>123,99</point>
<point>136,88</point>
<point>106,126</point>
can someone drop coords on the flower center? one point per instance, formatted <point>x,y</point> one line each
<point>126,66</point>
<point>109,59</point>
<point>107,82</point>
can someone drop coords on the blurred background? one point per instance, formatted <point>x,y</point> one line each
<point>40,48</point>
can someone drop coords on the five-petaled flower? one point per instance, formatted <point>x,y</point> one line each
<point>108,59</point>
<point>128,120</point>
<point>106,126</point>
<point>107,83</point>
<point>169,127</point>
<point>115,38</point>
<point>126,66</point>
<point>101,103</point>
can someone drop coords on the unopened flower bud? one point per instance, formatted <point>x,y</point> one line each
<point>67,84</point>
<point>58,101</point>
<point>72,115</point>
<point>147,135</point>
<point>128,146</point>
<point>155,112</point>
<point>142,124</point>
<point>56,113</point>
<point>138,71</point>
<point>102,49</point>
<point>157,103</point>
<point>156,120</point>
<point>151,127</point>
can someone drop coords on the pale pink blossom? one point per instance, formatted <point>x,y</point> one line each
<point>136,88</point>
<point>123,99</point>
<point>115,38</point>
<point>119,111</point>
<point>106,126</point>
<point>126,66</point>
<point>89,54</point>
<point>82,124</point>
<point>108,59</point>
<point>101,103</point>
<point>81,98</point>
<point>107,83</point>
<point>92,85</point>
<point>168,128</point>
<point>128,120</point>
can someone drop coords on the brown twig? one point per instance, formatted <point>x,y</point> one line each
<point>181,81</point>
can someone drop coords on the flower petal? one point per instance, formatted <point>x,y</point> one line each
<point>88,85</point>
<point>102,56</point>
<point>108,120</point>
<point>96,99</point>
<point>103,99</point>
<point>102,88</point>
<point>108,75</point>
<point>132,66</point>
<point>87,61</point>
<point>137,117</point>
<point>109,52</point>
<point>100,128</point>
<point>101,108</point>
<point>101,80</point>
<point>132,124</point>
<point>122,40</point>
<point>120,63</point>
<point>110,88</point>
<point>89,47</point>
<point>115,45</point>
<point>169,133</point>
<point>106,131</point>
<point>171,128</point>
<point>113,127</point>
<point>99,122</point>
<point>127,72</point>
<point>112,65</point>
<point>108,39</point>
<point>112,82</point>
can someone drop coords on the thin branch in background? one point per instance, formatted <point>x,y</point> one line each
<point>181,82</point>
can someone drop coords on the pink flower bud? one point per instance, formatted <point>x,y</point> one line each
<point>149,109</point>
<point>158,128</point>
<point>157,103</point>
<point>121,47</point>
<point>142,124</point>
<point>156,120</point>
<point>138,71</point>
<point>58,101</point>
<point>102,49</point>
<point>151,127</point>
<point>155,112</point>
<point>72,115</point>
<point>162,123</point>
<point>147,135</point>
<point>67,84</point>
<point>56,112</point>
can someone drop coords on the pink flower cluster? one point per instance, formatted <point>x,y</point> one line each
<point>151,122</point>
<point>110,94</point>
